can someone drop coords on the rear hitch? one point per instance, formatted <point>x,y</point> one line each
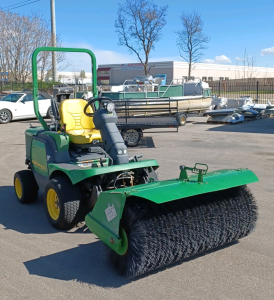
<point>200,171</point>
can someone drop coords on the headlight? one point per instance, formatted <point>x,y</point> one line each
<point>120,151</point>
<point>110,107</point>
<point>125,151</point>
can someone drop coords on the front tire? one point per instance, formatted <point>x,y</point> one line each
<point>63,203</point>
<point>5,116</point>
<point>25,186</point>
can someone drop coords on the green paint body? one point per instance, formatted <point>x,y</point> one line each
<point>108,230</point>
<point>79,173</point>
<point>157,192</point>
<point>61,140</point>
<point>39,158</point>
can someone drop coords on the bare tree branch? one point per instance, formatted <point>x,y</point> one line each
<point>191,40</point>
<point>20,36</point>
<point>139,26</point>
<point>249,63</point>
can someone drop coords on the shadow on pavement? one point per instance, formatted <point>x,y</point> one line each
<point>90,264</point>
<point>265,126</point>
<point>26,218</point>
<point>147,142</point>
<point>86,264</point>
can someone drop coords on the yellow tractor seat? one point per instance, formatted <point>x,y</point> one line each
<point>79,127</point>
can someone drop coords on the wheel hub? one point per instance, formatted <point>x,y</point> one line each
<point>18,188</point>
<point>53,204</point>
<point>183,119</point>
<point>4,116</point>
<point>132,136</point>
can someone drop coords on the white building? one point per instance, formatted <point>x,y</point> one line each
<point>115,74</point>
<point>73,77</point>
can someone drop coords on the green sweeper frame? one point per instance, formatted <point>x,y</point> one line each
<point>104,219</point>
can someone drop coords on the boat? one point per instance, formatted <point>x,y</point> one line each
<point>190,96</point>
<point>229,115</point>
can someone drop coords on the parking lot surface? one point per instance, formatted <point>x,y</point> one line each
<point>38,262</point>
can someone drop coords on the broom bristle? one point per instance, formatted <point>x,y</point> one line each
<point>162,234</point>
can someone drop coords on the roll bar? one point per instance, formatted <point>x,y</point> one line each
<point>35,77</point>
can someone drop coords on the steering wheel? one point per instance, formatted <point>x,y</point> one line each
<point>101,101</point>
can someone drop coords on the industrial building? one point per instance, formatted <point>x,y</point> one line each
<point>115,74</point>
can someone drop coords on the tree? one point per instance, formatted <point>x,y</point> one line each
<point>249,63</point>
<point>191,40</point>
<point>49,74</point>
<point>82,74</point>
<point>139,26</point>
<point>45,57</point>
<point>20,36</point>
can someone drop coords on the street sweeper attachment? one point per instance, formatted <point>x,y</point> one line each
<point>155,224</point>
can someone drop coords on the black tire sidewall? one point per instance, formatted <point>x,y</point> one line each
<point>28,185</point>
<point>50,113</point>
<point>8,112</point>
<point>179,116</point>
<point>66,193</point>
<point>140,137</point>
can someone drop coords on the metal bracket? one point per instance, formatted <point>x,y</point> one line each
<point>196,170</point>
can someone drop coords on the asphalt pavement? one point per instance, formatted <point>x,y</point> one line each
<point>38,262</point>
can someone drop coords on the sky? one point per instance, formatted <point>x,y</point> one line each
<point>233,26</point>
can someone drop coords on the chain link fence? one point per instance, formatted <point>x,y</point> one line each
<point>46,87</point>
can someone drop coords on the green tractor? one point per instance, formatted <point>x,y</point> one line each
<point>82,166</point>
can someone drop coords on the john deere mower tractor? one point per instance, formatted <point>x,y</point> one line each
<point>82,166</point>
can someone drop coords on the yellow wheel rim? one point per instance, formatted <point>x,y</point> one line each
<point>53,204</point>
<point>18,188</point>
<point>183,119</point>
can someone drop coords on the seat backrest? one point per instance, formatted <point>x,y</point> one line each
<point>72,114</point>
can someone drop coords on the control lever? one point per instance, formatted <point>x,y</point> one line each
<point>136,157</point>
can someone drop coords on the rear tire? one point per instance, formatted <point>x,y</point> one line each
<point>181,119</point>
<point>25,186</point>
<point>5,116</point>
<point>63,203</point>
<point>132,137</point>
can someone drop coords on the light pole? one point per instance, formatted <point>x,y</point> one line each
<point>1,73</point>
<point>53,38</point>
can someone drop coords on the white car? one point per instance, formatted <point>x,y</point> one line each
<point>19,105</point>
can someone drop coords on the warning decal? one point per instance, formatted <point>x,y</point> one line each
<point>110,212</point>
